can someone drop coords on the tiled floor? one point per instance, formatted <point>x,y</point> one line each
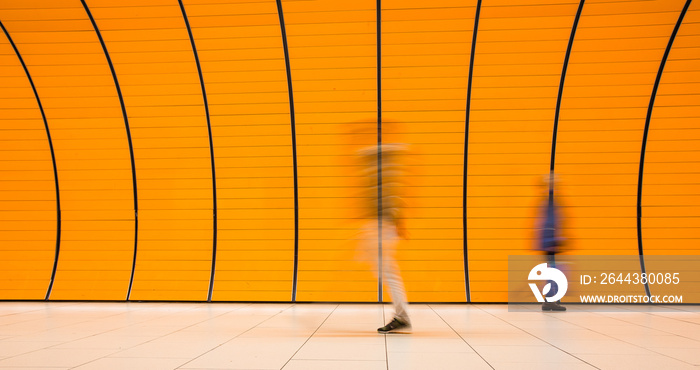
<point>79,335</point>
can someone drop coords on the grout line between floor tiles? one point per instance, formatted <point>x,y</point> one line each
<point>657,314</point>
<point>683,307</point>
<point>238,335</point>
<point>310,336</point>
<point>649,327</point>
<point>81,338</point>
<point>632,344</point>
<point>24,312</point>
<point>386,344</point>
<point>73,323</point>
<point>534,336</point>
<point>461,337</point>
<point>156,338</point>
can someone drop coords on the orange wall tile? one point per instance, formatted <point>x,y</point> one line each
<point>334,59</point>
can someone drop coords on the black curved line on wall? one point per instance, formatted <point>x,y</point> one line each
<point>292,118</point>
<point>466,152</point>
<point>560,94</point>
<point>211,151</point>
<point>646,135</point>
<point>561,86</point>
<point>53,159</point>
<point>380,263</point>
<point>128,136</point>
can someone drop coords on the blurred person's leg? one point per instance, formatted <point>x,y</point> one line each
<point>552,306</point>
<point>392,280</point>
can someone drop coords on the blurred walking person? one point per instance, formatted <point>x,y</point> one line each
<point>550,238</point>
<point>382,170</point>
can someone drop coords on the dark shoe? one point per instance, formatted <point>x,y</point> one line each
<point>395,325</point>
<point>553,306</point>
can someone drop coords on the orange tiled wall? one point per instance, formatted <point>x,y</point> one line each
<point>206,149</point>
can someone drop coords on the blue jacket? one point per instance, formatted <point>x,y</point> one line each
<point>550,236</point>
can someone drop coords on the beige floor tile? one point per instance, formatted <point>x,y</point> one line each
<point>104,341</point>
<point>122,363</point>
<point>541,366</point>
<point>427,344</point>
<point>41,368</point>
<point>608,346</point>
<point>166,349</point>
<point>659,341</point>
<point>498,339</point>
<point>55,357</point>
<point>537,354</point>
<point>623,362</point>
<point>335,365</point>
<point>320,349</point>
<point>258,353</point>
<point>10,348</point>
<point>444,361</point>
<point>689,355</point>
